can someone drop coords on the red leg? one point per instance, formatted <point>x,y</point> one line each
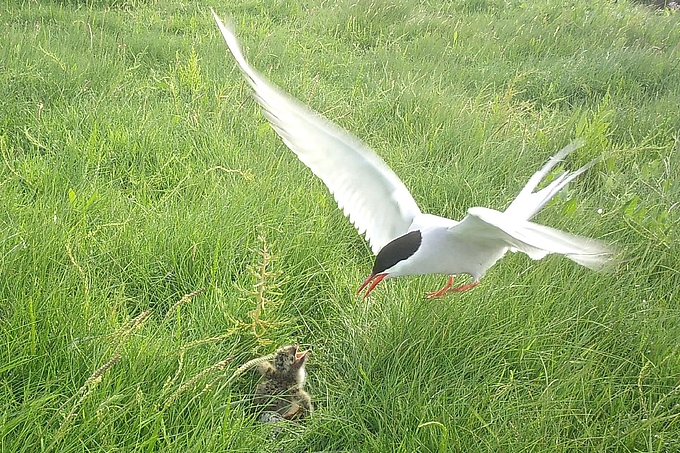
<point>462,288</point>
<point>441,292</point>
<point>447,289</point>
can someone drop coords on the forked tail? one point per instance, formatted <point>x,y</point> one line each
<point>528,203</point>
<point>537,241</point>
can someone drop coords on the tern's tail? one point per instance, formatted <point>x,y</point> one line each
<point>537,241</point>
<point>528,202</point>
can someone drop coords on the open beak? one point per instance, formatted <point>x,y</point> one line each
<point>373,279</point>
<point>300,355</point>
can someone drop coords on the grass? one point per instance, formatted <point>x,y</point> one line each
<point>137,172</point>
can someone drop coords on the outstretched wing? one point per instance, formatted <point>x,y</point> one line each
<point>365,188</point>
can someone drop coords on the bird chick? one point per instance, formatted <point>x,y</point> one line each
<point>282,390</point>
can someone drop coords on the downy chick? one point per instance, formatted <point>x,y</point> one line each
<point>282,390</point>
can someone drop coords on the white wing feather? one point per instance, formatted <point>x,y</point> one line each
<point>365,188</point>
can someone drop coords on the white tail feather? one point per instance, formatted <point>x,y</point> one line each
<point>528,203</point>
<point>537,241</point>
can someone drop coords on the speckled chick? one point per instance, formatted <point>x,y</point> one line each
<point>282,390</point>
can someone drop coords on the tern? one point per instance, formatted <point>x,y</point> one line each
<point>405,240</point>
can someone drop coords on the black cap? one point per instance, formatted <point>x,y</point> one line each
<point>397,250</point>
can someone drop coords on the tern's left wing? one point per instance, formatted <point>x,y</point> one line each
<point>365,188</point>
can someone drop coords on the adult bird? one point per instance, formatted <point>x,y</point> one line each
<point>405,240</point>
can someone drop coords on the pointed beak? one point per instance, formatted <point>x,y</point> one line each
<point>300,355</point>
<point>373,279</point>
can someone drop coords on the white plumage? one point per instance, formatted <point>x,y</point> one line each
<point>406,241</point>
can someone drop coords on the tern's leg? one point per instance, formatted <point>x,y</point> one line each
<point>441,292</point>
<point>447,289</point>
<point>462,288</point>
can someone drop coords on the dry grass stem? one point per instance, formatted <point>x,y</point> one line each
<point>247,174</point>
<point>84,391</point>
<point>105,225</point>
<point>265,289</point>
<point>80,269</point>
<point>250,364</point>
<point>125,331</point>
<point>202,341</point>
<point>184,299</point>
<point>191,382</point>
<point>95,377</point>
<point>180,365</point>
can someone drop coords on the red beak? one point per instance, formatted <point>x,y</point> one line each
<point>375,279</point>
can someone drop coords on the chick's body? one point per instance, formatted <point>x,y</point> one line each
<point>282,390</point>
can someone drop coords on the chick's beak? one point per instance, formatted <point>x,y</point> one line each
<point>300,355</point>
<point>373,279</point>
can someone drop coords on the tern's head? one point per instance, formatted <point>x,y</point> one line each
<point>289,359</point>
<point>396,251</point>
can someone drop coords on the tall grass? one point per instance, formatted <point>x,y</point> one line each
<point>136,171</point>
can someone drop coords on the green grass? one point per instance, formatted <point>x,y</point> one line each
<point>136,169</point>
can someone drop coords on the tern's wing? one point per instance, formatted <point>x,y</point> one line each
<point>488,227</point>
<point>365,188</point>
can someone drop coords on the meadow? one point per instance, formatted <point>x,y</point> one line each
<point>155,233</point>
